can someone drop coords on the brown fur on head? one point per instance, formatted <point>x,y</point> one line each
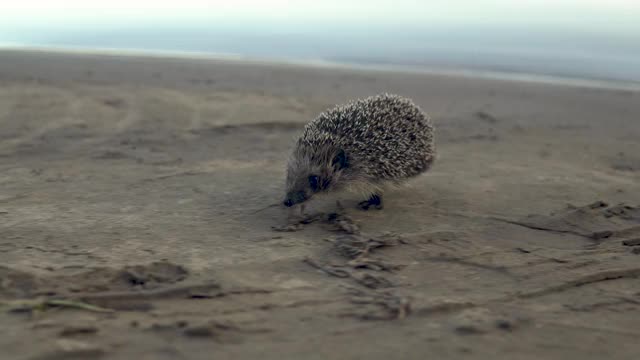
<point>314,170</point>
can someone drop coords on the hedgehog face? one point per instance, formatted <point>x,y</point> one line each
<point>309,175</point>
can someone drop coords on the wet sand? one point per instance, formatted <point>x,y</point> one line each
<point>129,222</point>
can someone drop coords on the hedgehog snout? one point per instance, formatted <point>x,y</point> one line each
<point>295,198</point>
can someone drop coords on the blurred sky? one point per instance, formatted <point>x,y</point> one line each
<point>598,38</point>
<point>600,15</point>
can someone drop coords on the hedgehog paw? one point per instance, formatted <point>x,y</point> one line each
<point>374,201</point>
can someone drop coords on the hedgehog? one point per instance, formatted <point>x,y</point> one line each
<point>364,146</point>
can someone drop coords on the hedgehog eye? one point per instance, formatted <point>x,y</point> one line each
<point>314,182</point>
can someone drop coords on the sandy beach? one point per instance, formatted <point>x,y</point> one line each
<point>135,218</point>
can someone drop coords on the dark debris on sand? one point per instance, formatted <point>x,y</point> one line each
<point>355,250</point>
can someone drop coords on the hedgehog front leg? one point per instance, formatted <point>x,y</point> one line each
<point>374,200</point>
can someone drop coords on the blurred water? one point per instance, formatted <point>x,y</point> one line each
<point>599,41</point>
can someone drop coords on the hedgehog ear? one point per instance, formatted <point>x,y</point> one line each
<point>340,160</point>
